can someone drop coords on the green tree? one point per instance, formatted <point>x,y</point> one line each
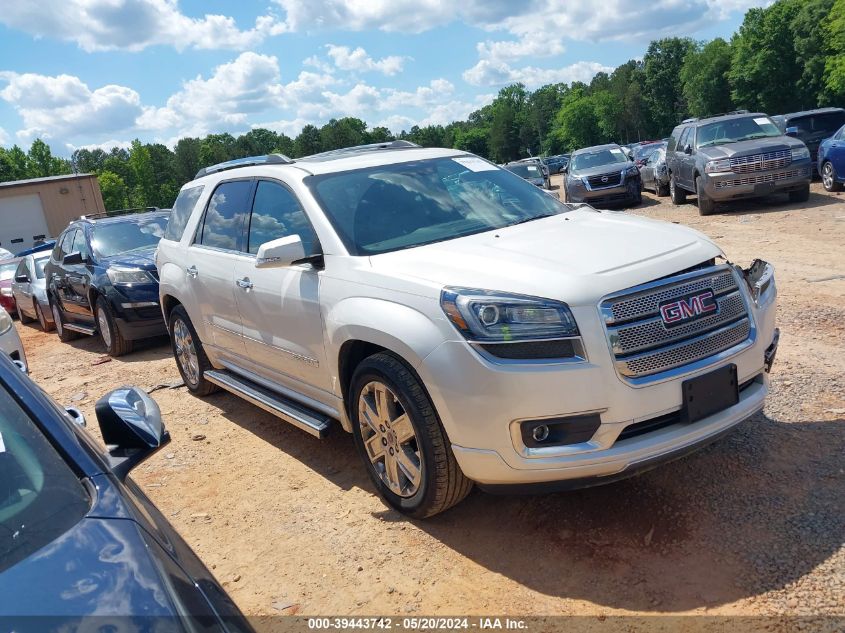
<point>379,135</point>
<point>704,76</point>
<point>308,141</point>
<point>186,159</point>
<point>340,133</point>
<point>662,67</point>
<point>144,191</point>
<point>113,189</point>
<point>39,159</point>
<point>217,148</point>
<point>88,161</point>
<point>256,142</point>
<point>543,105</point>
<point>834,68</point>
<point>811,49</point>
<point>576,125</point>
<point>764,67</point>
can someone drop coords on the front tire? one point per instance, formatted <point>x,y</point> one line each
<point>800,195</point>
<point>110,334</point>
<point>678,195</point>
<point>46,325</point>
<point>23,318</point>
<point>706,206</point>
<point>189,354</point>
<point>399,436</point>
<point>660,189</point>
<point>64,334</point>
<point>829,178</point>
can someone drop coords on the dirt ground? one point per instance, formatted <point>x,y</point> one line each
<point>751,525</point>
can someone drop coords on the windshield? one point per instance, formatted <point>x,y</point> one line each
<point>40,496</point>
<point>644,151</point>
<point>524,170</point>
<point>735,130</point>
<point>39,266</point>
<point>588,160</point>
<point>123,237</point>
<point>7,270</point>
<point>391,207</point>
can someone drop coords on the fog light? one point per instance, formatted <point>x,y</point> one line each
<point>540,433</point>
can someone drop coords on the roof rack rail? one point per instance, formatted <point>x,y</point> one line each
<point>358,149</point>
<point>268,159</point>
<point>692,119</point>
<point>110,214</point>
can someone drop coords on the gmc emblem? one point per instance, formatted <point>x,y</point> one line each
<point>688,308</point>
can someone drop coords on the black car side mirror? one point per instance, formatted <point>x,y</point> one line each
<point>73,258</point>
<point>688,149</point>
<point>131,426</point>
<point>22,279</point>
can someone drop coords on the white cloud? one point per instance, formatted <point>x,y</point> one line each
<point>357,60</point>
<point>4,137</point>
<point>64,106</point>
<point>396,123</point>
<point>509,50</point>
<point>98,25</point>
<point>492,73</point>
<point>106,146</point>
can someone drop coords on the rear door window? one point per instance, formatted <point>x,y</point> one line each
<point>225,216</point>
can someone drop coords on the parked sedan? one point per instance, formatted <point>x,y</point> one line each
<point>655,174</point>
<point>602,175</point>
<point>831,161</point>
<point>29,288</point>
<point>102,279</point>
<point>77,538</point>
<point>10,344</point>
<point>529,171</point>
<point>7,273</point>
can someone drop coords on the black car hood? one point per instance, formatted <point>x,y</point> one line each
<point>748,148</point>
<point>144,259</point>
<point>99,567</point>
<point>611,168</point>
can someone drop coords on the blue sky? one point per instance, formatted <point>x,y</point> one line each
<point>81,73</point>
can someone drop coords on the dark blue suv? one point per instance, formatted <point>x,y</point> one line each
<point>81,546</point>
<point>101,278</point>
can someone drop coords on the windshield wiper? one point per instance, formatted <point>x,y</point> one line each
<point>531,219</point>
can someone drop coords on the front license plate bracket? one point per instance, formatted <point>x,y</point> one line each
<point>709,393</point>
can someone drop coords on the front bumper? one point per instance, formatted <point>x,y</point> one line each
<point>11,344</point>
<point>483,402</point>
<point>137,312</point>
<point>730,186</point>
<point>624,193</point>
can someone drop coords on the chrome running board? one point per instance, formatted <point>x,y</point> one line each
<point>82,329</point>
<point>313,422</point>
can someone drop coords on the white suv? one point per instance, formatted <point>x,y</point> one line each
<point>463,324</point>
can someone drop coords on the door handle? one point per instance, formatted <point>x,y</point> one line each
<point>192,272</point>
<point>244,283</point>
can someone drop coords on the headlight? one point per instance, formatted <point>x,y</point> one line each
<point>716,166</point>
<point>493,317</point>
<point>5,321</point>
<point>6,292</point>
<point>129,276</point>
<point>800,153</point>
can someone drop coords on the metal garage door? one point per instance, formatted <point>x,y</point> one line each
<point>21,222</point>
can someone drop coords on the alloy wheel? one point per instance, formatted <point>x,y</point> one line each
<point>827,176</point>
<point>42,320</point>
<point>389,439</point>
<point>186,352</point>
<point>105,330</point>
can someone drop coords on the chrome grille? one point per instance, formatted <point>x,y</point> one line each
<point>644,346</point>
<point>761,162</point>
<point>753,180</point>
<point>613,180</point>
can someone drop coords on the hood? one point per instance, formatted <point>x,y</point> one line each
<point>98,567</point>
<point>576,257</point>
<point>601,169</point>
<point>748,148</point>
<point>144,259</point>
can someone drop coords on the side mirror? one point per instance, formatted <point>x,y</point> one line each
<point>688,149</point>
<point>131,426</point>
<point>792,131</point>
<point>280,253</point>
<point>22,279</point>
<point>73,258</point>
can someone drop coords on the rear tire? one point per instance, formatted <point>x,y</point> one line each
<point>706,206</point>
<point>801,195</point>
<point>411,463</point>
<point>65,335</point>
<point>661,190</point>
<point>21,316</point>
<point>110,334</point>
<point>829,178</point>
<point>46,325</point>
<point>678,195</point>
<point>189,354</point>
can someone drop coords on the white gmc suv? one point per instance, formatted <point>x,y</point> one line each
<point>463,324</point>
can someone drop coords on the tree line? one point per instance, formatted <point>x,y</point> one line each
<point>786,57</point>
